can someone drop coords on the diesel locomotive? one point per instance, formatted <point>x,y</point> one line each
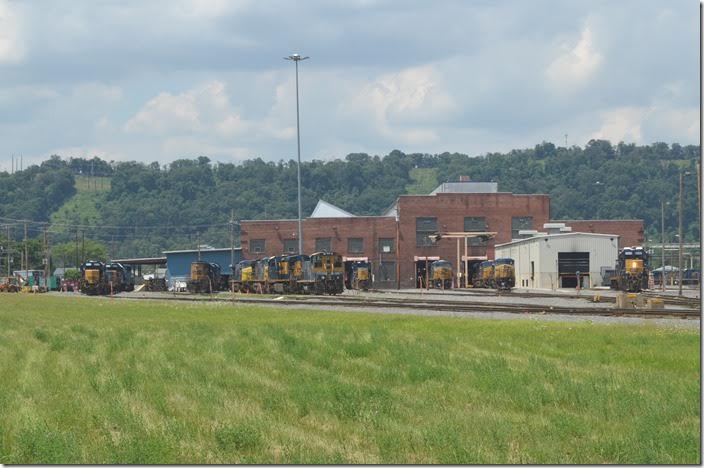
<point>359,275</point>
<point>441,274</point>
<point>495,274</point>
<point>319,273</point>
<point>93,281</point>
<point>205,277</point>
<point>631,274</point>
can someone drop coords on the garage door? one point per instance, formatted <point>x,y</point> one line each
<point>568,264</point>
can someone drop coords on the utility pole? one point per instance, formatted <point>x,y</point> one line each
<point>8,250</point>
<point>232,240</point>
<point>77,264</point>
<point>26,252</point>
<point>46,258</point>
<point>83,246</point>
<point>198,244</point>
<point>679,262</point>
<point>662,243</point>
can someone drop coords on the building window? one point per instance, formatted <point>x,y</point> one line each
<point>478,224</point>
<point>257,245</point>
<point>290,245</point>
<point>355,245</point>
<point>520,223</point>
<point>475,223</point>
<point>386,245</point>
<point>322,244</point>
<point>387,271</point>
<point>424,228</point>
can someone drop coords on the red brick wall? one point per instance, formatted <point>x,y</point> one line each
<point>629,230</point>
<point>369,228</point>
<point>450,209</point>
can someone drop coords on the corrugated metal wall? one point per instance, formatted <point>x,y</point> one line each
<point>603,251</point>
<point>178,264</point>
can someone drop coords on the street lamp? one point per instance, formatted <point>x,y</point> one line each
<point>679,264</point>
<point>297,58</point>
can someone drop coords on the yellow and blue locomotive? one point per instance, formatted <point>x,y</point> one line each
<point>205,277</point>
<point>118,278</point>
<point>326,272</point>
<point>495,274</point>
<point>93,280</point>
<point>358,275</point>
<point>631,273</point>
<point>483,274</point>
<point>504,273</point>
<point>441,274</point>
<point>320,273</point>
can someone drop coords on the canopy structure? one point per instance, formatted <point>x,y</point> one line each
<point>461,235</point>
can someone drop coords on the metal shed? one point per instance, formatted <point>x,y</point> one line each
<point>550,261</point>
<point>178,262</point>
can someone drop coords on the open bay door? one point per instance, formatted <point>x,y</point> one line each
<point>571,263</point>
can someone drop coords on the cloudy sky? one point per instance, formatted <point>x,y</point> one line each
<point>161,80</point>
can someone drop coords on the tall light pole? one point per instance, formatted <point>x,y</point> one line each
<point>662,244</point>
<point>679,263</point>
<point>297,58</point>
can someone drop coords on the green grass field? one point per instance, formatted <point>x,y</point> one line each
<point>111,381</point>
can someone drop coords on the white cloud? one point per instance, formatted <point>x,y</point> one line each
<point>471,76</point>
<point>646,124</point>
<point>11,47</point>
<point>623,124</point>
<point>203,109</point>
<point>404,105</point>
<point>576,65</point>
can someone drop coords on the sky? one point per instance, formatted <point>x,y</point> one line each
<point>163,80</point>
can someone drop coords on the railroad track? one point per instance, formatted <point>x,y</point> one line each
<point>690,302</point>
<point>434,305</point>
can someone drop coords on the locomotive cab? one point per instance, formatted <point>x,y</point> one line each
<point>93,278</point>
<point>441,274</point>
<point>358,275</point>
<point>504,273</point>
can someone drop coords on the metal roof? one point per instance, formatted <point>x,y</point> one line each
<point>201,250</point>
<point>327,210</point>
<point>541,237</point>
<point>141,261</point>
<point>466,187</point>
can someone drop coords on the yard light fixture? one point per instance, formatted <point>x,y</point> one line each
<point>297,58</point>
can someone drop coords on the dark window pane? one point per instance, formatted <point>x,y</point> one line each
<point>387,271</point>
<point>426,224</point>
<point>322,244</point>
<point>290,246</point>
<point>475,223</point>
<point>257,245</point>
<point>425,227</point>
<point>520,223</point>
<point>355,245</point>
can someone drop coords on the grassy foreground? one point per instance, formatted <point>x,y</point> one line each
<point>108,381</point>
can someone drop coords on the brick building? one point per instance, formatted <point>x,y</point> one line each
<point>397,242</point>
<point>630,230</point>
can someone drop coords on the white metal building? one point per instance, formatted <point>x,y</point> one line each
<point>550,261</point>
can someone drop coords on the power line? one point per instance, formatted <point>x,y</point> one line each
<point>108,226</point>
